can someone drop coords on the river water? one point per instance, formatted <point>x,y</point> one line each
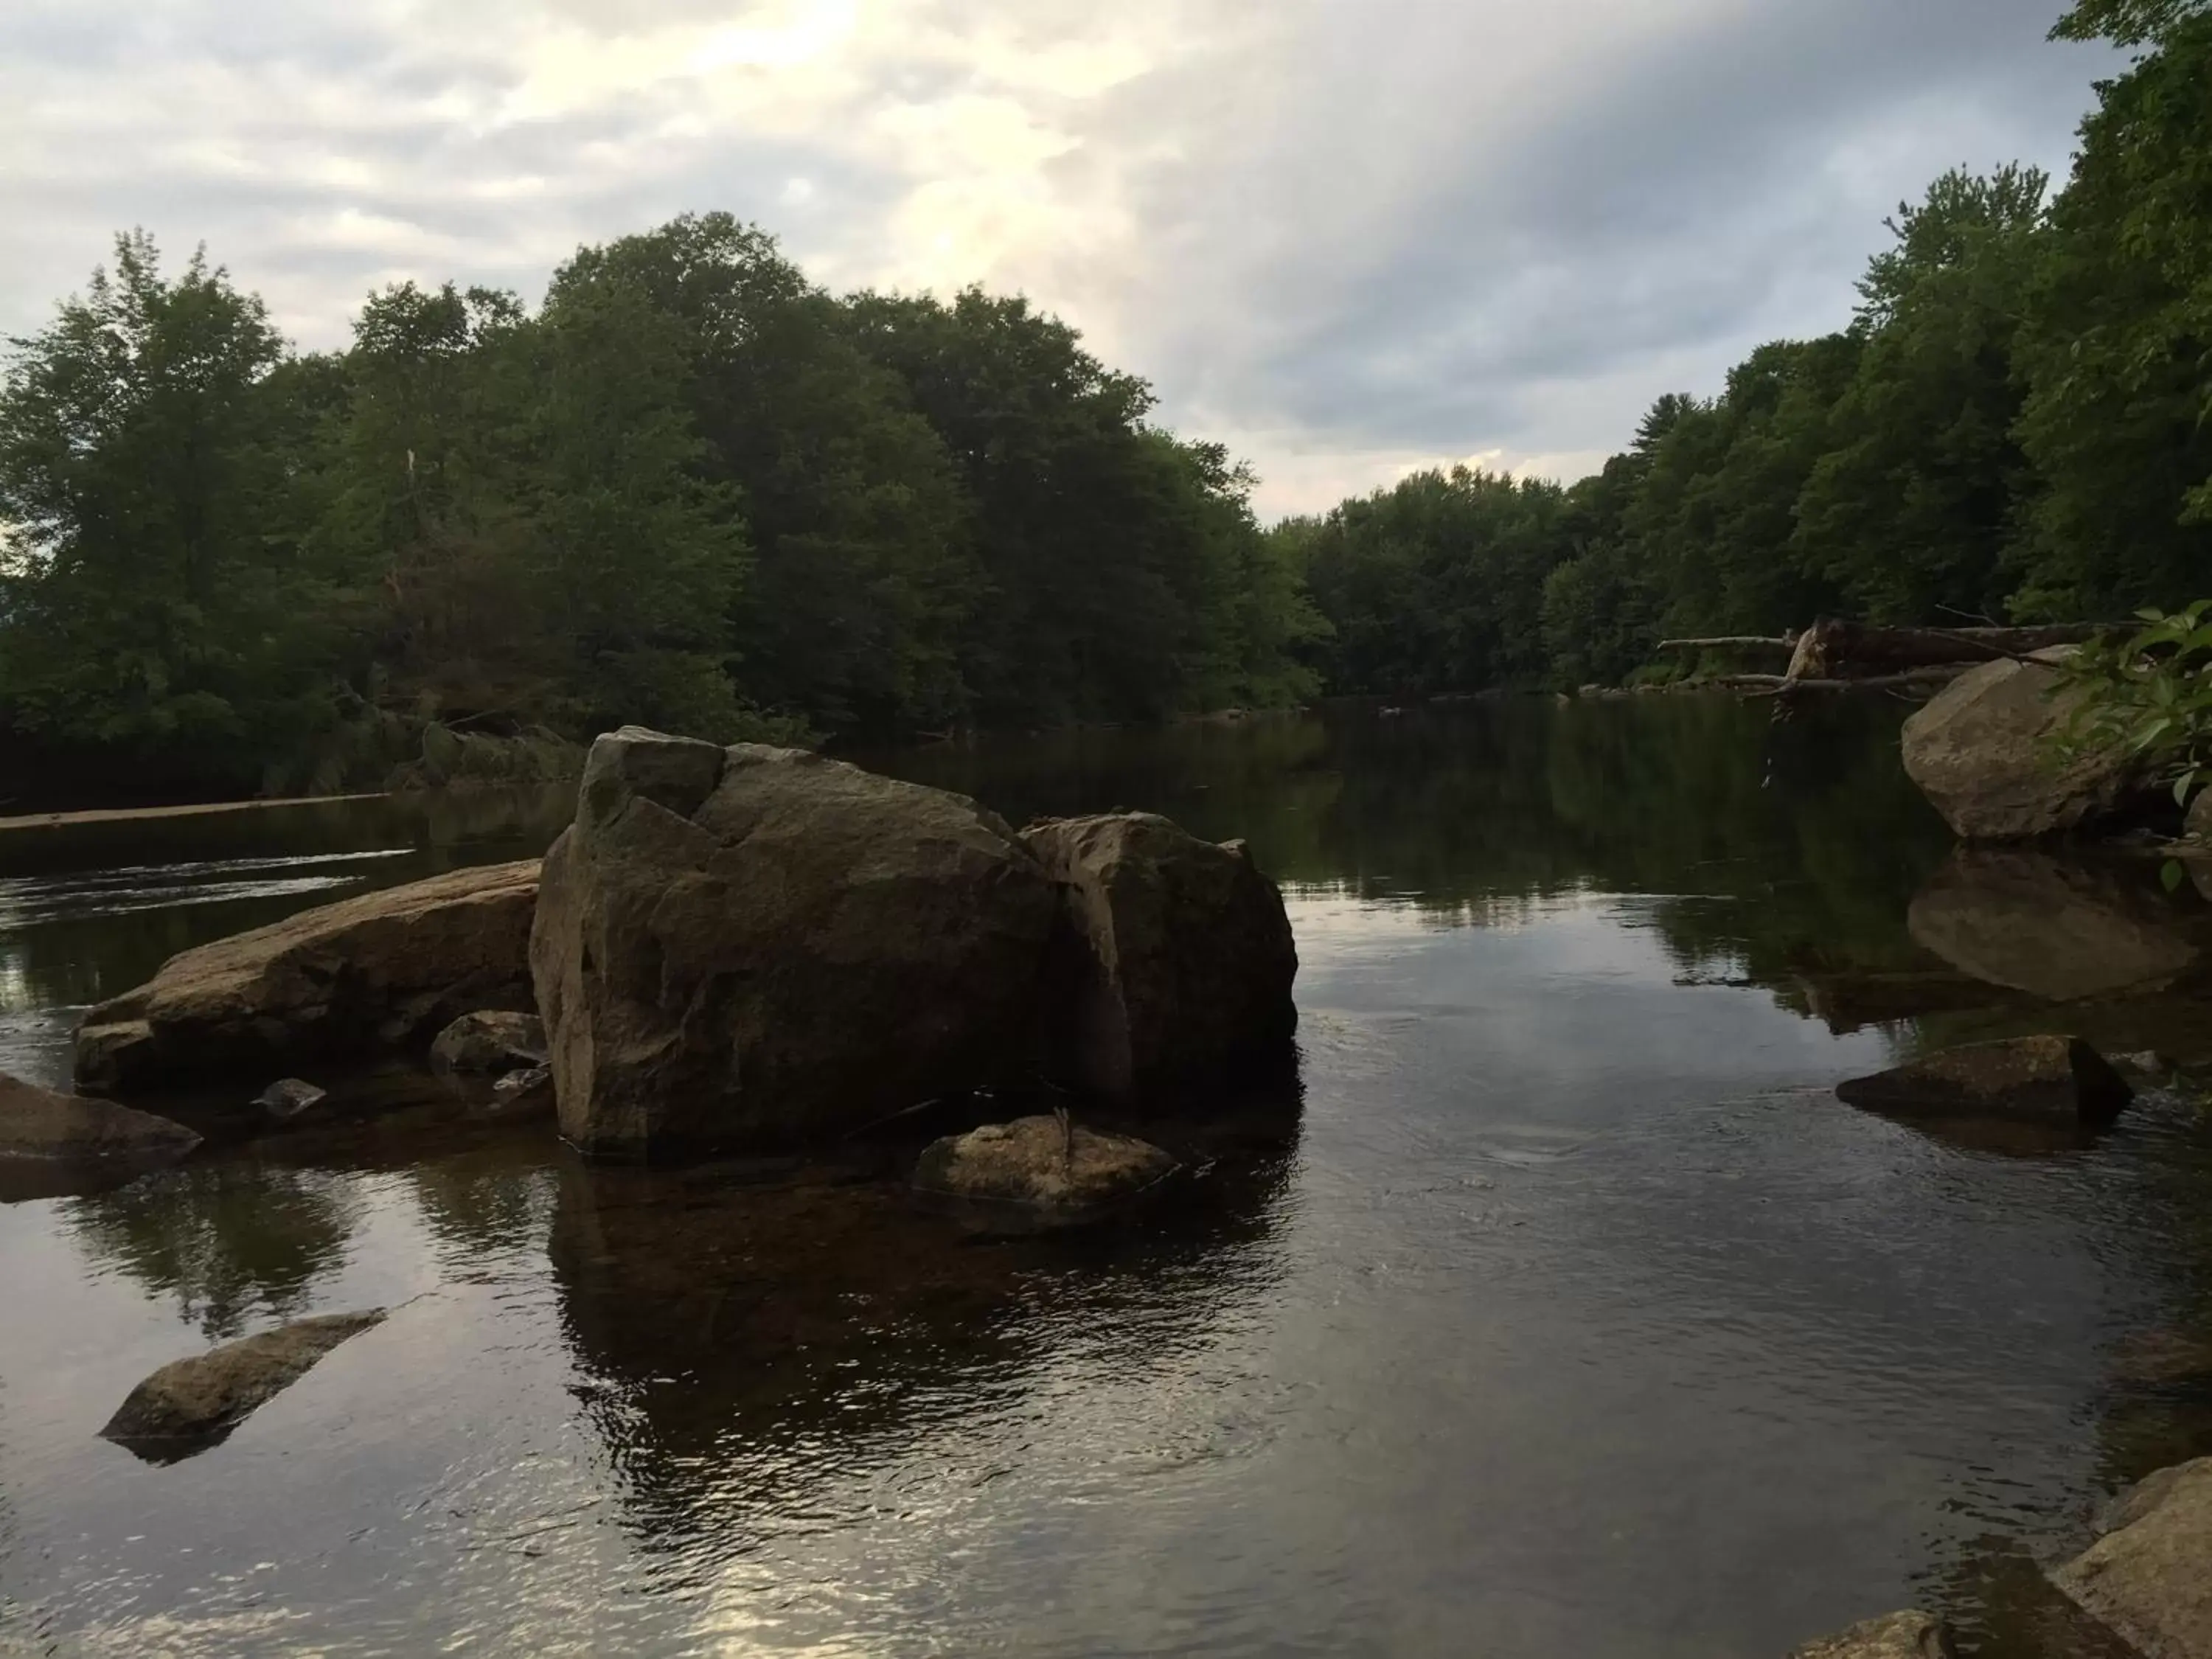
<point>1569,1314</point>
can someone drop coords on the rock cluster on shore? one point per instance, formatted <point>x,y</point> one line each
<point>752,948</point>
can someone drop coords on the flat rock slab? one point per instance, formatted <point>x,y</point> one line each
<point>1901,1635</point>
<point>52,1143</point>
<point>371,974</point>
<point>2150,1576</point>
<point>2058,1081</point>
<point>1051,1171</point>
<point>190,1405</point>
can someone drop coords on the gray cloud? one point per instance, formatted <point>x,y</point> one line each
<point>1346,235</point>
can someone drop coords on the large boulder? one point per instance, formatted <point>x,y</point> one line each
<point>2148,1577</point>
<point>1982,752</point>
<point>52,1143</point>
<point>758,947</point>
<point>1901,1635</point>
<point>1048,1171</point>
<point>2059,930</point>
<point>192,1404</point>
<point>383,970</point>
<point>2058,1080</point>
<point>1183,955</point>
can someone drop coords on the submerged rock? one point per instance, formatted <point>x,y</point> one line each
<point>1054,1171</point>
<point>2148,1577</point>
<point>1901,1635</point>
<point>491,1040</point>
<point>52,1143</point>
<point>1184,954</point>
<point>192,1404</point>
<point>290,1098</point>
<point>1981,751</point>
<point>524,1093</point>
<point>2045,1079</point>
<point>757,947</point>
<point>2062,931</point>
<point>377,972</point>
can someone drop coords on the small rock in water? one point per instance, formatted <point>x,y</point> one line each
<point>491,1041</point>
<point>523,1094</point>
<point>192,1404</point>
<point>1901,1635</point>
<point>1047,1167</point>
<point>290,1098</point>
<point>53,1144</point>
<point>2048,1079</point>
<point>2150,1576</point>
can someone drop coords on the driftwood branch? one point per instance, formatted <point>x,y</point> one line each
<point>1734,642</point>
<point>1831,650</point>
<point>1782,686</point>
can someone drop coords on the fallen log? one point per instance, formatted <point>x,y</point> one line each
<point>1833,650</point>
<point>1781,685</point>
<point>1734,642</point>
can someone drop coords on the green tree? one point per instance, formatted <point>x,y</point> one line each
<point>2117,346</point>
<point>1910,512</point>
<point>156,602</point>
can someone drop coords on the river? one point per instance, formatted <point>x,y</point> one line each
<point>1572,1315</point>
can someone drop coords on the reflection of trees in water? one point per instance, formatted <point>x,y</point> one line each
<point>495,1201</point>
<point>1783,851</point>
<point>746,1347</point>
<point>236,1243</point>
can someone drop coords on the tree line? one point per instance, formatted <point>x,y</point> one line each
<point>2015,426</point>
<point>690,488</point>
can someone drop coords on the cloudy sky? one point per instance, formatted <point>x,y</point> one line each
<point>1347,237</point>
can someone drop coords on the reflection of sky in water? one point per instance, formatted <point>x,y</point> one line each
<point>26,901</point>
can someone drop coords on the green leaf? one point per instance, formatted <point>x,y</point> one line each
<point>2173,875</point>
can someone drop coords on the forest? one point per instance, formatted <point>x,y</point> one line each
<point>694,490</point>
<point>2015,426</point>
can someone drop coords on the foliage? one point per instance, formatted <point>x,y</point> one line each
<point>2149,694</point>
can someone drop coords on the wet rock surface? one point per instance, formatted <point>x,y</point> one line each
<point>1900,1636</point>
<point>1183,954</point>
<point>2059,930</point>
<point>369,974</point>
<point>289,1099</point>
<point>1981,752</point>
<point>490,1040</point>
<point>525,1093</point>
<point>1049,1169</point>
<point>52,1143</point>
<point>2057,1081</point>
<point>2149,1577</point>
<point>757,947</point>
<point>190,1405</point>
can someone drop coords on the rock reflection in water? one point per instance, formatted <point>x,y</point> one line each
<point>2064,930</point>
<point>746,1342</point>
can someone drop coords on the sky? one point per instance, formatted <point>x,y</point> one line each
<point>1347,237</point>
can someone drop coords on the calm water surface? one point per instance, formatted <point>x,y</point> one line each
<point>1569,1315</point>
